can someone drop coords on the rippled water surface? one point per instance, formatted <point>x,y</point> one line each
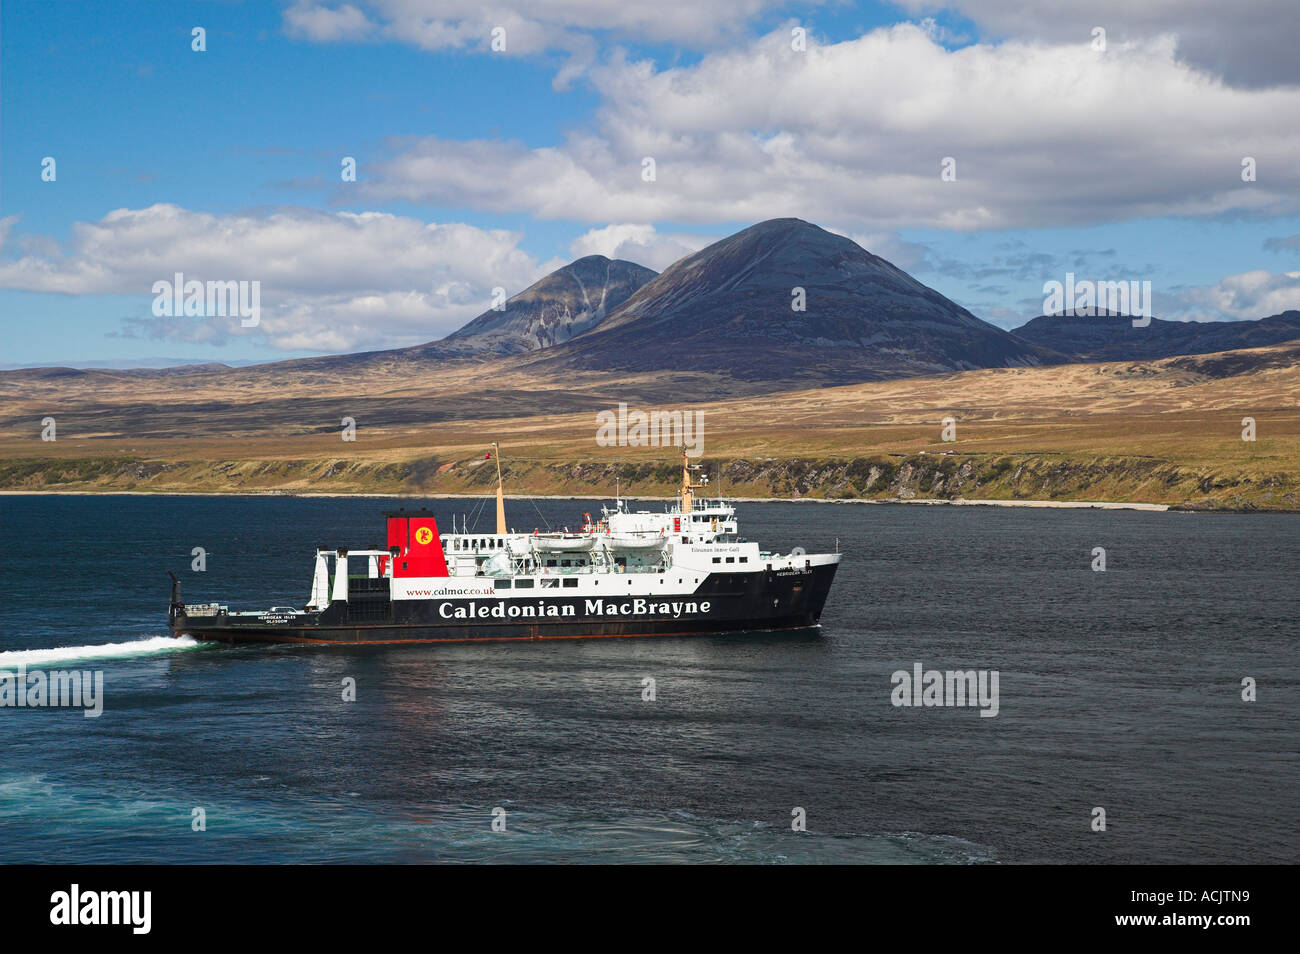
<point>1119,690</point>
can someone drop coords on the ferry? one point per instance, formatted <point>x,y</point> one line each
<point>681,572</point>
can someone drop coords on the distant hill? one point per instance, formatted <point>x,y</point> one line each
<point>717,325</point>
<point>111,369</point>
<point>1113,337</point>
<point>717,322</point>
<point>569,301</point>
<point>728,308</point>
<point>128,364</point>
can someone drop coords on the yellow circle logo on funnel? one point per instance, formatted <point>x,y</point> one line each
<point>423,535</point>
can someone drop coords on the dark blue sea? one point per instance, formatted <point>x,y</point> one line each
<point>1119,690</point>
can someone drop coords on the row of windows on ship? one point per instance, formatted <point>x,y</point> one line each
<point>496,543</point>
<point>482,543</point>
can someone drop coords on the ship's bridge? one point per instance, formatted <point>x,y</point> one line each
<point>709,521</point>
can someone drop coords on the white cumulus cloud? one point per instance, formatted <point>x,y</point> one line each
<point>572,28</point>
<point>639,243</point>
<point>853,135</point>
<point>330,281</point>
<point>1251,44</point>
<point>1254,294</point>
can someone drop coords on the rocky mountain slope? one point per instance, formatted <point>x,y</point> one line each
<point>569,301</point>
<point>732,307</point>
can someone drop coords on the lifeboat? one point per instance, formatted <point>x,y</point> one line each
<point>563,542</point>
<point>636,540</point>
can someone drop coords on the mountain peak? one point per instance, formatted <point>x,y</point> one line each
<point>787,298</point>
<point>788,224</point>
<point>555,308</point>
<point>788,231</point>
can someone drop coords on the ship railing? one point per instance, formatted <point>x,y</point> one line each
<point>204,609</point>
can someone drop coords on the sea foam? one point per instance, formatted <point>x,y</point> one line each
<point>60,654</point>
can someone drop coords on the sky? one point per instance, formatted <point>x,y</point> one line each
<point>987,147</point>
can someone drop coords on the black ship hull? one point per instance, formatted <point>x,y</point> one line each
<point>733,603</point>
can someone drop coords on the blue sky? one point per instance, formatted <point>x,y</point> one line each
<point>480,169</point>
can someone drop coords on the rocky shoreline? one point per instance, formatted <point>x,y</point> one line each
<point>961,479</point>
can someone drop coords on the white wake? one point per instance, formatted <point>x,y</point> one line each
<point>59,654</point>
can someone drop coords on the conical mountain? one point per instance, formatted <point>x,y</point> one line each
<point>732,308</point>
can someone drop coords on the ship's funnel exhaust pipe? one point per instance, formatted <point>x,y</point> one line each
<point>340,594</point>
<point>176,605</point>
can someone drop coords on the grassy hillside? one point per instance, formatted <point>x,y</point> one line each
<point>1167,432</point>
<point>878,477</point>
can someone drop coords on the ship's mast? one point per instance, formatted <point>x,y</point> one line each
<point>688,487</point>
<point>501,500</point>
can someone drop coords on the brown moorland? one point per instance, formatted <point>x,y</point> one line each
<point>1163,431</point>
